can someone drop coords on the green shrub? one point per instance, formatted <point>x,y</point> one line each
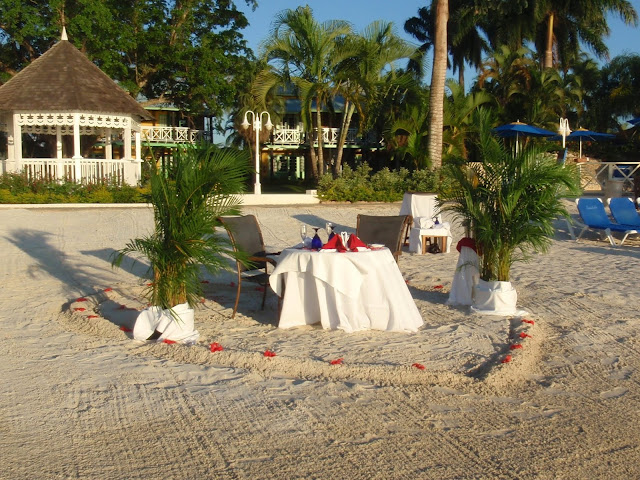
<point>18,188</point>
<point>384,186</point>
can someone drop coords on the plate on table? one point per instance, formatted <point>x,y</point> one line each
<point>377,245</point>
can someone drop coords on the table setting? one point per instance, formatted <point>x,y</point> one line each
<point>342,284</point>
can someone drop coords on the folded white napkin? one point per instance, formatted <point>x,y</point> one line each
<point>424,222</point>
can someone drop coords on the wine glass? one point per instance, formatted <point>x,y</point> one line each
<point>316,243</point>
<point>303,232</point>
<point>329,229</point>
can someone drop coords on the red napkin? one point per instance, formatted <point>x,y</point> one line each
<point>335,242</point>
<point>466,242</point>
<point>354,242</point>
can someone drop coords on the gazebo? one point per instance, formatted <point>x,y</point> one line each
<point>63,93</point>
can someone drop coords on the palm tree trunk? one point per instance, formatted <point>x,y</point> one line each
<point>320,138</point>
<point>438,77</point>
<point>312,155</point>
<point>548,54</point>
<point>349,108</point>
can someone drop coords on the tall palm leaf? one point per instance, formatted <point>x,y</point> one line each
<point>508,202</point>
<point>202,184</point>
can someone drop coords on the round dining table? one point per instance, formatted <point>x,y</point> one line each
<point>350,291</point>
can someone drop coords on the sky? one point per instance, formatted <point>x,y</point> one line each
<point>361,13</point>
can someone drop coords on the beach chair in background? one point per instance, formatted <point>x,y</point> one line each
<point>246,236</point>
<point>624,211</point>
<point>388,230</point>
<point>595,217</point>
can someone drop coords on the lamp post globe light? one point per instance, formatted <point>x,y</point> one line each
<point>257,127</point>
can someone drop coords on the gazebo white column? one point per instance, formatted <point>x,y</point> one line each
<point>108,146</point>
<point>127,141</point>
<point>77,153</point>
<point>59,161</point>
<point>15,153</point>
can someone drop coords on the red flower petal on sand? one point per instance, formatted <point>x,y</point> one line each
<point>92,316</point>
<point>515,346</point>
<point>419,366</point>
<point>524,335</point>
<point>337,361</point>
<point>79,309</point>
<point>269,353</point>
<point>506,359</point>
<point>531,322</point>
<point>125,329</point>
<point>168,342</point>
<point>108,289</point>
<point>407,281</point>
<point>216,347</point>
<point>81,299</point>
<point>438,287</point>
<point>149,284</point>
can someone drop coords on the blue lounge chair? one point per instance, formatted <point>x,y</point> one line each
<point>595,217</point>
<point>624,211</point>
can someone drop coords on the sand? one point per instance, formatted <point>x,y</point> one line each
<point>81,399</point>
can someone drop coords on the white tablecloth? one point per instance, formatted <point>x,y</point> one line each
<point>418,205</point>
<point>349,291</point>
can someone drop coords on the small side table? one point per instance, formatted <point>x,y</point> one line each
<point>421,238</point>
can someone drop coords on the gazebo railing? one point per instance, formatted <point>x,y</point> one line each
<point>86,170</point>
<point>157,134</point>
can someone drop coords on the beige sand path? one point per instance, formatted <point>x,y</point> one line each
<point>81,400</point>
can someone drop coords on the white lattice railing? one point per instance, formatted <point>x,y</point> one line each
<point>296,136</point>
<point>155,134</point>
<point>594,174</point>
<point>89,170</point>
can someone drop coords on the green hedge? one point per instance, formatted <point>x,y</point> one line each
<point>16,188</point>
<point>384,186</point>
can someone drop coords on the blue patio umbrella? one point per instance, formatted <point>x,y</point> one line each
<point>519,129</point>
<point>588,135</point>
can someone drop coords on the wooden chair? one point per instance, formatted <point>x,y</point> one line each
<point>386,230</point>
<point>246,236</point>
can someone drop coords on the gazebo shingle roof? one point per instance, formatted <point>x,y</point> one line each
<point>64,79</point>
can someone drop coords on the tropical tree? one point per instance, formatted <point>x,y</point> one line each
<point>305,53</point>
<point>565,26</point>
<point>438,76</point>
<point>368,76</point>
<point>509,202</point>
<point>189,53</point>
<point>458,114</point>
<point>466,43</point>
<point>202,184</point>
<point>408,134</point>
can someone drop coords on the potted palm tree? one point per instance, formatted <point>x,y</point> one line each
<point>508,204</point>
<point>201,183</point>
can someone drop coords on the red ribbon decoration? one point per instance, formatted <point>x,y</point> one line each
<point>438,287</point>
<point>337,361</point>
<point>81,299</point>
<point>108,289</point>
<point>419,366</point>
<point>506,359</point>
<point>531,322</point>
<point>79,309</point>
<point>524,335</point>
<point>216,347</point>
<point>125,329</point>
<point>92,316</point>
<point>168,342</point>
<point>269,353</point>
<point>515,347</point>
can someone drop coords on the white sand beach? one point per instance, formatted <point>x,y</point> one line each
<point>81,399</point>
